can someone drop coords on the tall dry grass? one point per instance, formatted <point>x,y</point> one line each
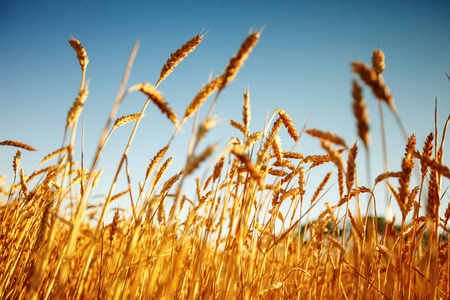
<point>226,245</point>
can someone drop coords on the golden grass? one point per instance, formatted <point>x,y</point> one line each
<point>232,240</point>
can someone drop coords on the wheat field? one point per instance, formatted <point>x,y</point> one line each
<point>223,242</point>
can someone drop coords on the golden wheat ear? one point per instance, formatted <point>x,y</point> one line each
<point>81,53</point>
<point>328,136</point>
<point>125,119</point>
<point>360,111</point>
<point>237,61</point>
<point>246,111</point>
<point>17,144</point>
<point>176,57</point>
<point>378,64</point>
<point>157,98</point>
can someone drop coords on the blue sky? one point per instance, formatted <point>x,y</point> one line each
<point>301,65</point>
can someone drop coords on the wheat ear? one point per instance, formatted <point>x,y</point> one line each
<point>81,53</point>
<point>246,112</point>
<point>202,95</point>
<point>328,136</point>
<point>378,64</point>
<point>177,56</point>
<point>77,107</point>
<point>157,98</point>
<point>361,114</point>
<point>237,61</point>
<point>17,144</point>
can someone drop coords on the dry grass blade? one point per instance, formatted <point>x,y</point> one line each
<point>237,61</point>
<point>176,57</point>
<point>157,98</point>
<point>81,53</point>
<point>17,144</point>
<point>328,136</point>
<point>360,111</point>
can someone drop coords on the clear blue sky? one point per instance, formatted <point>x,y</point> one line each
<point>301,65</point>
